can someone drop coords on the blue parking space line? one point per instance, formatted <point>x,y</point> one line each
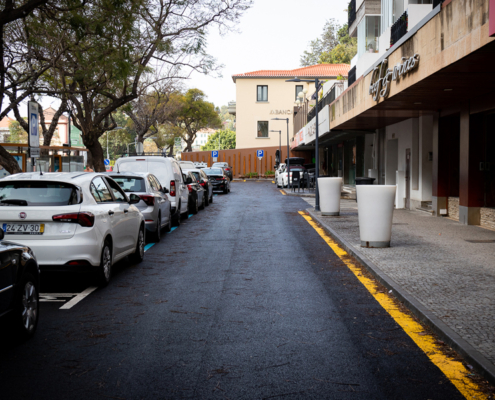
<point>190,215</point>
<point>173,229</point>
<point>148,246</point>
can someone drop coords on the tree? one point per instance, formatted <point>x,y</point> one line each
<point>196,114</point>
<point>343,52</point>
<point>220,140</point>
<point>17,133</point>
<point>228,120</point>
<point>165,136</point>
<point>329,39</point>
<point>19,71</point>
<point>113,46</point>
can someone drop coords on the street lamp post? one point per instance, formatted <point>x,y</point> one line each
<point>279,144</point>
<point>316,81</point>
<point>288,153</point>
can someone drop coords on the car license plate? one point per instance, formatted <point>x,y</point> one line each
<point>23,229</point>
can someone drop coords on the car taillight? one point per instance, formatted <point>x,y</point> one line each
<point>148,199</point>
<point>172,188</point>
<point>189,188</point>
<point>202,183</point>
<point>227,169</point>
<point>82,218</point>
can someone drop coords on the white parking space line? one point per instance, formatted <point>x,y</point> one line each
<point>55,297</point>
<point>78,298</point>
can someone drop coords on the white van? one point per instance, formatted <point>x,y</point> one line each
<point>187,164</point>
<point>168,172</point>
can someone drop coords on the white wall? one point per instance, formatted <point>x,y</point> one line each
<point>416,12</point>
<point>366,61</point>
<point>405,132</point>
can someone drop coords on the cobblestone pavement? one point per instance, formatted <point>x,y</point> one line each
<point>434,261</point>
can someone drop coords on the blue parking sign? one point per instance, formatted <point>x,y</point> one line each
<point>260,153</point>
<point>106,161</point>
<point>214,154</point>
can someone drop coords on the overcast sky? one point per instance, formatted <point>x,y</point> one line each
<point>273,34</point>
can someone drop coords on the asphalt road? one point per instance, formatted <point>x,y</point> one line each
<point>243,301</point>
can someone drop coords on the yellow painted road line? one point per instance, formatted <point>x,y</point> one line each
<point>283,192</point>
<point>453,370</point>
<point>273,181</point>
<point>244,180</point>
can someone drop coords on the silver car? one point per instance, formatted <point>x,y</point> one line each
<point>154,205</point>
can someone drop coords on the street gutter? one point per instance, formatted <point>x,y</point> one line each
<point>482,365</point>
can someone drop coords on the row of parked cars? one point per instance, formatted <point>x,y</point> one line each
<point>296,164</point>
<point>88,221</point>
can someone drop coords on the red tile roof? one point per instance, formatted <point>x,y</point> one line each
<point>318,70</point>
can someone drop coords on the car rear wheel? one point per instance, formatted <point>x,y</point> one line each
<point>176,217</point>
<point>105,269</point>
<point>138,255</point>
<point>27,307</point>
<point>168,227</point>
<point>195,208</point>
<point>157,235</point>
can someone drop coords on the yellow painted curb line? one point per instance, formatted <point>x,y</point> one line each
<point>273,181</point>
<point>453,370</point>
<point>285,194</point>
<point>244,180</point>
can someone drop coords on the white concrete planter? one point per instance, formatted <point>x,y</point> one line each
<point>329,191</point>
<point>375,210</point>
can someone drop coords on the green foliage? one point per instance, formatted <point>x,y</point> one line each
<point>334,47</point>
<point>17,134</point>
<point>270,173</point>
<point>252,175</point>
<point>228,120</point>
<point>220,140</point>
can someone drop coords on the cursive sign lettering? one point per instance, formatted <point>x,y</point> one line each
<point>382,76</point>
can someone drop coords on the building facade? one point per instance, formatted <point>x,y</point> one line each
<point>422,115</point>
<point>264,95</point>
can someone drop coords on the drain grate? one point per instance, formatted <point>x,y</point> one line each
<point>480,241</point>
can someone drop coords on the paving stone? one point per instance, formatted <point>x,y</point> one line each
<point>432,260</point>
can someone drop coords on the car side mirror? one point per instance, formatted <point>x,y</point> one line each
<point>134,199</point>
<point>165,190</point>
<point>188,180</point>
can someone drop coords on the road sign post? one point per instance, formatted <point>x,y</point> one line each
<point>34,132</point>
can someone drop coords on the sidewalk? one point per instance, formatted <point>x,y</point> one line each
<point>443,271</point>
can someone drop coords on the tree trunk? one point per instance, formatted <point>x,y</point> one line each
<point>9,162</point>
<point>171,151</point>
<point>96,156</point>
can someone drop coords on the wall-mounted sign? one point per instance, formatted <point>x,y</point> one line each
<point>323,126</point>
<point>382,76</point>
<point>277,112</point>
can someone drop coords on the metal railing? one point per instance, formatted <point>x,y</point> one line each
<point>351,13</point>
<point>351,76</point>
<point>398,29</point>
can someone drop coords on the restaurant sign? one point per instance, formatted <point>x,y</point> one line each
<point>381,77</point>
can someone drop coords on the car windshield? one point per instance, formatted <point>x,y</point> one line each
<point>130,184</point>
<point>213,171</point>
<point>35,193</point>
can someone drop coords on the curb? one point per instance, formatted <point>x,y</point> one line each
<point>481,364</point>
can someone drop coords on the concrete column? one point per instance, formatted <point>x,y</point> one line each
<point>440,170</point>
<point>471,182</point>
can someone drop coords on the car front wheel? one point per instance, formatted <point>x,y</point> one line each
<point>27,307</point>
<point>105,269</point>
<point>138,255</point>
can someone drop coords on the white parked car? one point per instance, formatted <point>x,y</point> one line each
<point>72,221</point>
<point>168,172</point>
<point>187,164</point>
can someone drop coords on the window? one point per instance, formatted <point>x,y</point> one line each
<point>262,93</point>
<point>368,34</point>
<point>100,191</point>
<point>117,191</point>
<point>262,129</point>
<point>156,182</point>
<point>34,193</point>
<point>299,88</point>
<point>130,183</point>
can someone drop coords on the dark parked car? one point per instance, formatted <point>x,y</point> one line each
<point>19,287</point>
<point>203,180</point>
<point>218,178</point>
<point>197,194</point>
<point>226,168</point>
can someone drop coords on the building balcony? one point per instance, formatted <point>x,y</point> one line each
<point>231,107</point>
<point>363,8</point>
